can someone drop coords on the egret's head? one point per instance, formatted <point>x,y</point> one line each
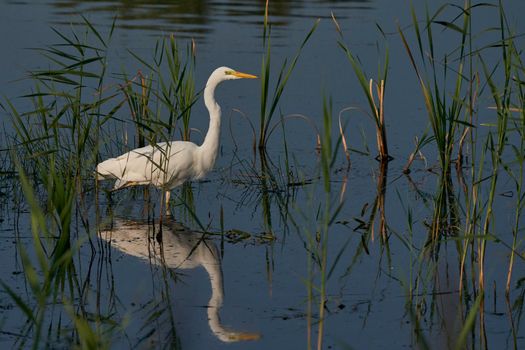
<point>225,73</point>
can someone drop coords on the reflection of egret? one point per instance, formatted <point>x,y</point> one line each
<point>180,249</point>
<point>169,164</point>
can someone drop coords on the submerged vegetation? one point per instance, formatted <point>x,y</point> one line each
<point>473,94</point>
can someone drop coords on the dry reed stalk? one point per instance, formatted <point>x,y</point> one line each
<point>381,94</point>
<point>320,329</point>
<point>343,188</point>
<point>379,115</point>
<point>406,169</point>
<point>343,142</point>
<point>473,99</point>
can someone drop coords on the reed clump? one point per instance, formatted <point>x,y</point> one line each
<point>453,107</point>
<point>54,151</point>
<point>374,91</point>
<point>160,101</point>
<point>270,97</point>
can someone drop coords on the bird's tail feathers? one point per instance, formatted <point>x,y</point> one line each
<point>108,170</point>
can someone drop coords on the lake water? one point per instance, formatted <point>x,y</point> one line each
<point>245,286</point>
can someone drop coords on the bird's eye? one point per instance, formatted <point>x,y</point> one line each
<point>228,72</point>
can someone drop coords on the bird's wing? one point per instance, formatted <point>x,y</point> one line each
<point>119,166</point>
<point>160,164</point>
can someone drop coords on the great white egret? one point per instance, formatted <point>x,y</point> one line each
<point>179,249</point>
<point>169,164</point>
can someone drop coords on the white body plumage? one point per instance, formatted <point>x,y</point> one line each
<point>164,165</point>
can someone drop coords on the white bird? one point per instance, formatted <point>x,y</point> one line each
<point>169,164</point>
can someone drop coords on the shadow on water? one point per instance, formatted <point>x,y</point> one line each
<point>175,248</point>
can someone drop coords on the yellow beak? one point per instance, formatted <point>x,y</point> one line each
<point>244,75</point>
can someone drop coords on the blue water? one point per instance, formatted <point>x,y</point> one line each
<point>265,283</point>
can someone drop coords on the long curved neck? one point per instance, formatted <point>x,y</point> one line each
<point>210,146</point>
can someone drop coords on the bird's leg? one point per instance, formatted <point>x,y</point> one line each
<point>109,209</point>
<point>167,197</point>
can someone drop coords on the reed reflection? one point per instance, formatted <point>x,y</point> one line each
<point>176,247</point>
<point>195,17</point>
<point>377,212</point>
<point>146,14</point>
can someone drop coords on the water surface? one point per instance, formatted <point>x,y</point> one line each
<point>223,290</point>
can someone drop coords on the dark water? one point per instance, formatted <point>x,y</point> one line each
<point>256,288</point>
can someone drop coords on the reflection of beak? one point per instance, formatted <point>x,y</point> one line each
<point>244,75</point>
<point>242,336</point>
